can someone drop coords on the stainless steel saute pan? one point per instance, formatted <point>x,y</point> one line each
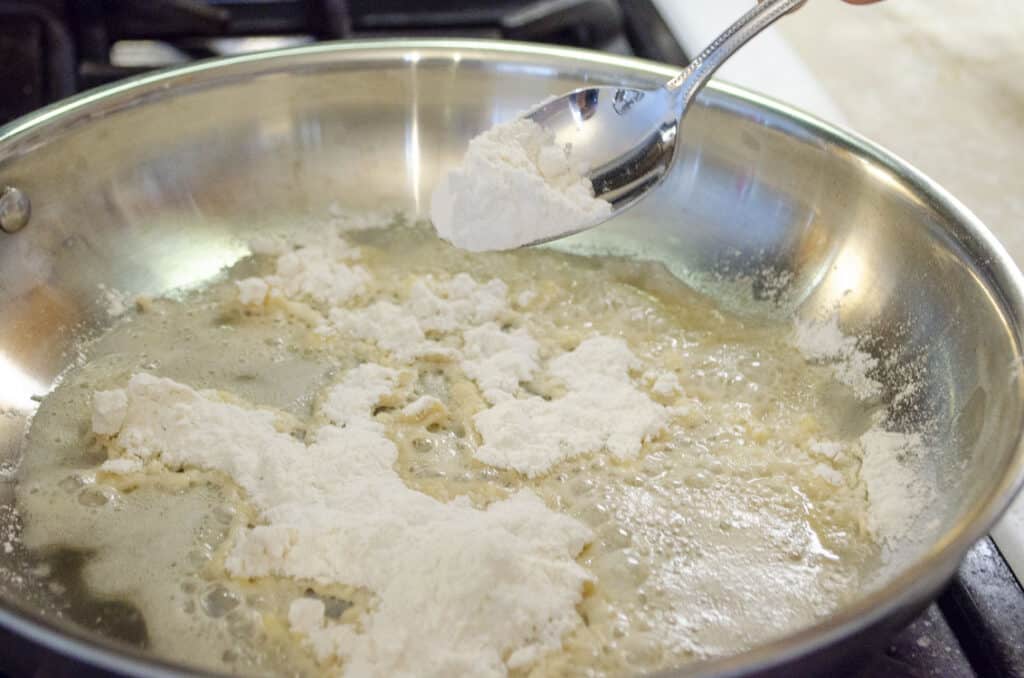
<point>157,182</point>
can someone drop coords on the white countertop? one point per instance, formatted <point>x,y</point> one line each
<point>938,82</point>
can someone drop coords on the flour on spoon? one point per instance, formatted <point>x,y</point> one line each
<point>516,185</point>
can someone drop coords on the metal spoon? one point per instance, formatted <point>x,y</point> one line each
<point>628,137</point>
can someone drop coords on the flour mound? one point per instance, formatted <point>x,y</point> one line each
<point>117,302</point>
<point>457,590</point>
<point>515,186</point>
<point>361,390</point>
<point>385,324</point>
<point>435,307</point>
<point>449,305</point>
<point>322,271</point>
<point>252,291</point>
<point>498,361</point>
<point>602,410</point>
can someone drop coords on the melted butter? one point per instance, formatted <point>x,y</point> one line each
<point>722,534</point>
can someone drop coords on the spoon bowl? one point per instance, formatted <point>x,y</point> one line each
<point>625,138</point>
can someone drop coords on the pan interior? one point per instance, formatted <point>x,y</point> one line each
<point>771,217</point>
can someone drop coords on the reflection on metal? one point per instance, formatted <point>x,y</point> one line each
<point>15,209</point>
<point>17,388</point>
<point>146,54</point>
<point>618,182</point>
<point>187,262</point>
<point>413,159</point>
<point>584,104</point>
<point>848,275</point>
<point>625,98</point>
<point>882,174</point>
<point>245,45</point>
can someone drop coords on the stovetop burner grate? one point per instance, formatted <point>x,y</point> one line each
<point>50,49</point>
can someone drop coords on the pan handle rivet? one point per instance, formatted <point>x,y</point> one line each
<point>15,209</point>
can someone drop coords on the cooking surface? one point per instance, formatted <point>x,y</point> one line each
<point>963,64</point>
<point>724,473</point>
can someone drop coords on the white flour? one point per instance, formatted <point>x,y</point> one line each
<point>444,576</point>
<point>423,407</point>
<point>363,388</point>
<point>457,365</point>
<point>898,493</point>
<point>391,327</point>
<point>448,305</point>
<point>335,511</point>
<point>321,272</point>
<point>108,411</point>
<point>515,186</point>
<point>252,291</point>
<point>602,410</point>
<point>664,384</point>
<point>117,302</point>
<point>498,361</point>
<point>341,219</point>
<point>823,341</point>
<point>435,307</point>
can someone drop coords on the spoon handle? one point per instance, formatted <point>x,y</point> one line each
<point>693,77</point>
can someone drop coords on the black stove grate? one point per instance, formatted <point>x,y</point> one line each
<point>50,49</point>
<point>974,630</point>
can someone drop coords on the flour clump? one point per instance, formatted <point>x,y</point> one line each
<point>515,186</point>
<point>602,410</point>
<point>322,272</point>
<point>498,361</point>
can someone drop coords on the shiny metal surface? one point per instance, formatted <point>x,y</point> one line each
<point>156,183</point>
<point>626,137</point>
<point>15,209</point>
